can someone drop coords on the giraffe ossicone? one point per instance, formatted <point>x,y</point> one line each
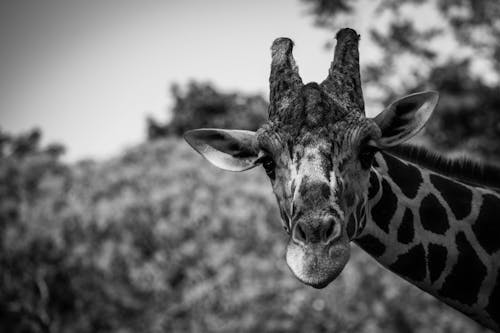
<point>339,176</point>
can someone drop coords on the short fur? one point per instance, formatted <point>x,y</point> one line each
<point>466,170</point>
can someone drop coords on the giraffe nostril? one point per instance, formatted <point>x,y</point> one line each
<point>329,228</point>
<point>332,230</point>
<point>299,234</point>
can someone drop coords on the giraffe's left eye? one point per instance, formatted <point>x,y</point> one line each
<point>366,156</point>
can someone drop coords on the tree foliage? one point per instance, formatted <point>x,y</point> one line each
<point>417,56</point>
<point>201,105</point>
<point>30,176</point>
<point>468,117</point>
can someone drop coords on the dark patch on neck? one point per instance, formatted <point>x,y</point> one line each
<point>406,176</point>
<point>486,227</point>
<point>372,245</point>
<point>493,307</point>
<point>385,208</point>
<point>411,264</point>
<point>433,215</point>
<point>465,278</point>
<point>436,260</point>
<point>406,230</point>
<point>458,197</point>
<point>374,185</point>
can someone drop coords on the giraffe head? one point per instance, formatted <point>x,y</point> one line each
<point>317,149</point>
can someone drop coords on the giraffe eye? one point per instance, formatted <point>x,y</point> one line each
<point>269,166</point>
<point>366,156</point>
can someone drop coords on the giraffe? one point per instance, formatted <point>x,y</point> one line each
<point>340,177</point>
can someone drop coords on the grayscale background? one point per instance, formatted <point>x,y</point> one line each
<point>109,222</point>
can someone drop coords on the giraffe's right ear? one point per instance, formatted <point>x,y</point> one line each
<point>405,117</point>
<point>232,150</point>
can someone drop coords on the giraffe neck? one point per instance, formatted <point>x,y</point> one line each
<point>439,234</point>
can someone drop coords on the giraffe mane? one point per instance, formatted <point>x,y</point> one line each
<point>462,169</point>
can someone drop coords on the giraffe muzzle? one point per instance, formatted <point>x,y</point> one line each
<point>317,250</point>
<point>317,264</point>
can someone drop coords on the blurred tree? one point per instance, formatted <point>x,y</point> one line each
<point>201,105</point>
<point>155,130</point>
<point>25,254</point>
<point>468,118</point>
<point>452,46</point>
<point>60,269</point>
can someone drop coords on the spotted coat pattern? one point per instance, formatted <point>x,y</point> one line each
<point>439,234</point>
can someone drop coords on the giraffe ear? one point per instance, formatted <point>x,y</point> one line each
<point>232,150</point>
<point>405,117</point>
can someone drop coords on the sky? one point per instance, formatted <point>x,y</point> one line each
<point>89,72</point>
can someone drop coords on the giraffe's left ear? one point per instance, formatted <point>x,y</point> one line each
<point>232,150</point>
<point>405,117</point>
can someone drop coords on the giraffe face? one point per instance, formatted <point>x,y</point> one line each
<point>318,160</point>
<point>317,149</point>
<point>319,173</point>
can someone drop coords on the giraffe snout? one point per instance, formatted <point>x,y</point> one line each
<point>322,229</point>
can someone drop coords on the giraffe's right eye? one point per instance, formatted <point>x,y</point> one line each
<point>269,166</point>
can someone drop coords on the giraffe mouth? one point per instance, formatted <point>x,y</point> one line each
<point>317,264</point>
